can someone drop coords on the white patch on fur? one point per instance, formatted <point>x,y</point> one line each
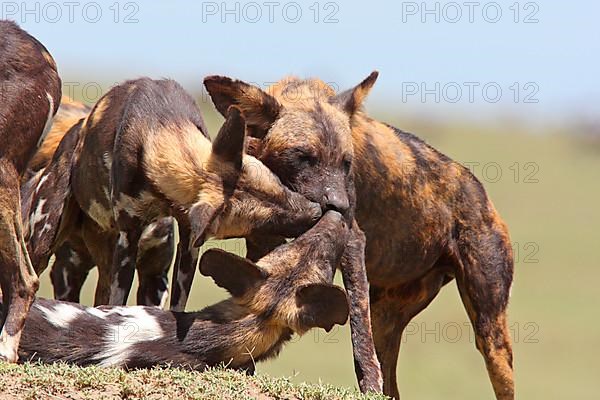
<point>148,231</point>
<point>96,312</point>
<point>48,120</point>
<point>164,299</point>
<point>60,315</point>
<point>152,241</point>
<point>37,216</point>
<point>136,326</point>
<point>148,240</point>
<point>8,347</point>
<point>183,295</point>
<point>107,160</point>
<point>123,242</point>
<point>41,182</point>
<point>45,228</point>
<point>106,192</point>
<point>65,277</point>
<point>74,258</point>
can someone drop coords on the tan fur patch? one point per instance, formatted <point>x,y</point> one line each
<point>251,343</point>
<point>49,58</point>
<point>295,93</point>
<point>69,113</point>
<point>369,135</point>
<point>178,164</point>
<point>99,110</point>
<point>499,361</point>
<point>256,174</point>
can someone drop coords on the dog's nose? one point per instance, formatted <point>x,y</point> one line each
<point>337,201</point>
<point>332,216</point>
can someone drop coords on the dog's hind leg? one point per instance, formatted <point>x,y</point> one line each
<point>184,269</point>
<point>392,309</point>
<point>484,280</point>
<point>71,267</point>
<point>156,249</point>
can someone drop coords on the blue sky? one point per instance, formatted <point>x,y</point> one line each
<point>435,58</point>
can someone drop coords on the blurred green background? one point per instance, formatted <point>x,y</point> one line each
<point>545,185</point>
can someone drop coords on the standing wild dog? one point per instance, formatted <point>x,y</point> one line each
<point>288,291</point>
<point>76,243</point>
<point>145,156</point>
<point>46,185</point>
<point>427,219</point>
<point>29,97</point>
<point>45,195</point>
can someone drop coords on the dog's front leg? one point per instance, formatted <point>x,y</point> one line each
<point>354,274</point>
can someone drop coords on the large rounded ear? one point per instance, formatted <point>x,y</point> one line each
<point>201,216</point>
<point>321,305</point>
<point>229,143</point>
<point>258,107</point>
<point>235,274</point>
<point>352,99</point>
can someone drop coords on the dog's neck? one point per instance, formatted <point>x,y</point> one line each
<point>228,332</point>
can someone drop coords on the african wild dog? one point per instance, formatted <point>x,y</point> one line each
<point>427,219</point>
<point>44,197</point>
<point>46,185</point>
<point>318,160</point>
<point>76,242</point>
<point>145,156</point>
<point>29,97</point>
<point>288,291</point>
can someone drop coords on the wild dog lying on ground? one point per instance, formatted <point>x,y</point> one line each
<point>145,156</point>
<point>288,291</point>
<point>29,97</point>
<point>427,219</point>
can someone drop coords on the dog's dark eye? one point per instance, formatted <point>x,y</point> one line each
<point>307,159</point>
<point>347,163</point>
<point>299,158</point>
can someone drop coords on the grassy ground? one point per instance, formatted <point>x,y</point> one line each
<point>548,191</point>
<point>60,381</point>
